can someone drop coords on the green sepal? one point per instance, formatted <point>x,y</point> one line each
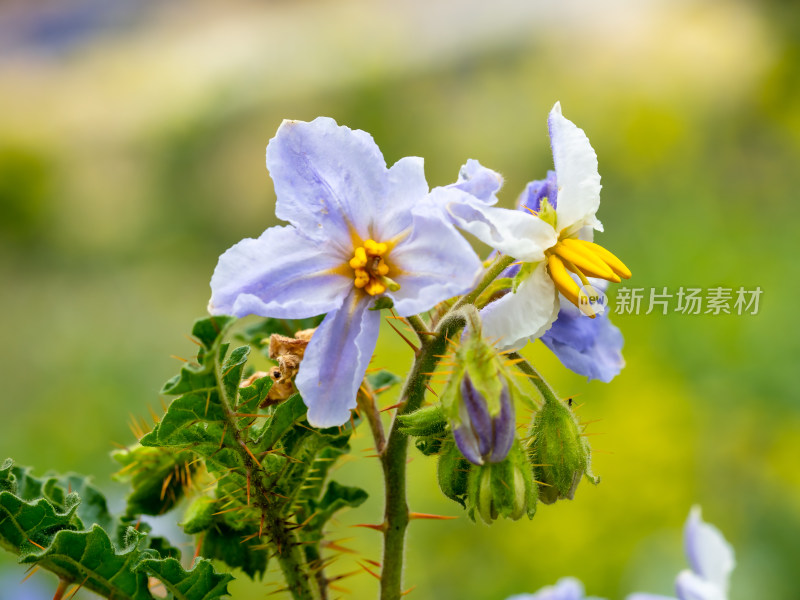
<point>453,473</point>
<point>382,302</point>
<point>428,420</point>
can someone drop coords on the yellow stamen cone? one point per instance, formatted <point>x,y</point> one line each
<point>585,260</point>
<point>566,285</point>
<point>612,261</point>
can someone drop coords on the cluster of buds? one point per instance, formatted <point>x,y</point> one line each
<point>483,465</point>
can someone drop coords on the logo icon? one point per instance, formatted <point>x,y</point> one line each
<point>591,300</point>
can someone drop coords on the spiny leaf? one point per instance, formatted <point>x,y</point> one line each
<point>199,583</point>
<point>234,549</point>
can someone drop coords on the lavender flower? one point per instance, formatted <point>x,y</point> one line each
<point>358,232</point>
<point>711,560</point>
<point>567,588</point>
<point>480,436</point>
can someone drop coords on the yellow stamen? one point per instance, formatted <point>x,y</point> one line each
<point>566,285</point>
<point>586,260</point>
<point>607,257</point>
<point>370,269</point>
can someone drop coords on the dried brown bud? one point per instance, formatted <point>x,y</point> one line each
<point>289,353</point>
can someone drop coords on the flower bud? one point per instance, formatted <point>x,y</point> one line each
<point>502,489</point>
<point>480,436</point>
<point>478,400</point>
<point>559,452</point>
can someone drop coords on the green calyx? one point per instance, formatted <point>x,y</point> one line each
<point>559,452</point>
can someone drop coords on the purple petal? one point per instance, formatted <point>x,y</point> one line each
<point>336,359</point>
<point>504,428</point>
<point>330,181</point>
<point>531,198</point>
<point>478,181</point>
<point>467,442</point>
<point>589,347</point>
<point>709,555</point>
<point>478,414</point>
<point>435,263</point>
<point>281,274</point>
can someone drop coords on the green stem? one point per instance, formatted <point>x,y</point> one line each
<point>419,326</point>
<point>495,269</point>
<point>393,459</point>
<point>544,388</point>
<point>283,538</point>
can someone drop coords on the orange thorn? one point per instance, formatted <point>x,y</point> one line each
<point>63,584</point>
<point>405,339</point>
<point>381,527</point>
<point>416,515</point>
<point>368,570</point>
<point>31,573</point>
<point>77,589</point>
<point>409,590</point>
<point>198,546</point>
<point>430,389</point>
<point>398,405</point>
<point>37,545</point>
<point>374,563</point>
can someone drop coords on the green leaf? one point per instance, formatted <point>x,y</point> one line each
<point>234,549</point>
<point>257,334</point>
<point>285,416</point>
<point>210,329</point>
<point>336,497</point>
<point>199,583</point>
<point>232,373</point>
<point>200,515</point>
<point>382,380</point>
<point>49,530</point>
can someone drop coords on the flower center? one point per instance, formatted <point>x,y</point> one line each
<point>584,259</point>
<point>370,269</point>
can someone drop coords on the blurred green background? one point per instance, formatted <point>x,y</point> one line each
<point>132,140</point>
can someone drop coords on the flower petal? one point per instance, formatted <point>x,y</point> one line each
<point>536,191</point>
<point>281,274</point>
<point>330,181</point>
<point>567,588</point>
<point>435,263</point>
<point>589,347</point>
<point>335,361</point>
<point>406,189</point>
<point>526,313</point>
<point>576,172</point>
<point>517,234</point>
<point>709,555</point>
<point>479,181</point>
<point>689,586</point>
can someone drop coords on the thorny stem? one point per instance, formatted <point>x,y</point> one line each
<point>494,270</point>
<point>365,401</point>
<point>285,541</point>
<point>393,458</point>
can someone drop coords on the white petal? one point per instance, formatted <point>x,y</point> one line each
<point>710,556</point>
<point>511,232</point>
<point>689,586</point>
<point>576,173</point>
<point>526,313</point>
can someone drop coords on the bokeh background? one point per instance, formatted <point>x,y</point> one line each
<point>132,140</point>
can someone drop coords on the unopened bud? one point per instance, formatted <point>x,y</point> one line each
<point>559,452</point>
<point>503,489</point>
<point>480,436</point>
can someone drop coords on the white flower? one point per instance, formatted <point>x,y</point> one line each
<point>551,236</point>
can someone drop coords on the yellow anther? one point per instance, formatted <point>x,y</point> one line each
<point>375,287</point>
<point>566,285</point>
<point>369,269</point>
<point>585,260</point>
<point>612,261</point>
<point>359,258</point>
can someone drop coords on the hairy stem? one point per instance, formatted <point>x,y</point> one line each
<point>494,270</point>
<point>544,388</point>
<point>289,556</point>
<point>393,458</point>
